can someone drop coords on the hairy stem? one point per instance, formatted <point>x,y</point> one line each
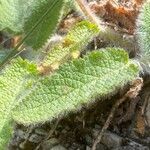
<point>107,34</point>
<point>87,12</point>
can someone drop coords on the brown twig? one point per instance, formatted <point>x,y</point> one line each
<point>106,32</point>
<point>132,93</point>
<point>49,134</point>
<point>87,12</point>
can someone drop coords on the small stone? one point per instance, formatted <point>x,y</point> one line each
<point>98,147</point>
<point>132,145</point>
<point>88,139</point>
<point>21,134</point>
<point>35,138</point>
<point>22,145</point>
<point>88,148</point>
<point>47,145</point>
<point>64,131</point>
<point>101,147</point>
<point>58,147</point>
<point>97,126</point>
<point>40,131</point>
<point>109,139</point>
<point>131,148</point>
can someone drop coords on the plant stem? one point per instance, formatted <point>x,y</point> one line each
<point>131,94</point>
<point>108,35</point>
<point>87,12</point>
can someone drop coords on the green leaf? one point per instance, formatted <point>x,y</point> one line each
<point>36,19</point>
<point>71,5</point>
<point>76,83</point>
<point>16,78</point>
<point>5,134</point>
<point>75,41</point>
<point>143,32</point>
<point>13,14</point>
<point>43,20</point>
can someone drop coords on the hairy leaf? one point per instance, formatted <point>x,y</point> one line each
<point>36,19</point>
<point>5,134</point>
<point>43,19</point>
<point>143,32</point>
<point>74,42</point>
<point>71,5</point>
<point>14,79</point>
<point>79,82</point>
<point>13,14</point>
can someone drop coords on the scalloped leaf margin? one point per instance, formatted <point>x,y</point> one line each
<point>76,83</point>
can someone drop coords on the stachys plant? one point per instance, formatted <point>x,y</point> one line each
<point>28,95</point>
<point>143,34</point>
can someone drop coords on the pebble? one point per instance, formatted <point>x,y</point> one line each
<point>97,126</point>
<point>47,145</point>
<point>35,138</point>
<point>58,147</point>
<point>131,145</point>
<point>131,148</point>
<point>98,147</point>
<point>88,139</point>
<point>40,131</point>
<point>21,134</point>
<point>110,139</point>
<point>88,148</point>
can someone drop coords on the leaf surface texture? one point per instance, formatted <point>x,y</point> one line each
<point>76,83</point>
<point>43,19</point>
<point>13,14</point>
<point>14,79</point>
<point>79,36</point>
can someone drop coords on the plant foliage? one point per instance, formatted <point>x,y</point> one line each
<point>38,19</point>
<point>143,32</point>
<point>13,14</point>
<point>5,134</point>
<point>29,98</point>
<point>43,19</point>
<point>14,79</point>
<point>74,84</point>
<point>72,44</point>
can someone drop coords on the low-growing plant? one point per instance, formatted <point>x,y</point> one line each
<point>32,93</point>
<point>143,32</point>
